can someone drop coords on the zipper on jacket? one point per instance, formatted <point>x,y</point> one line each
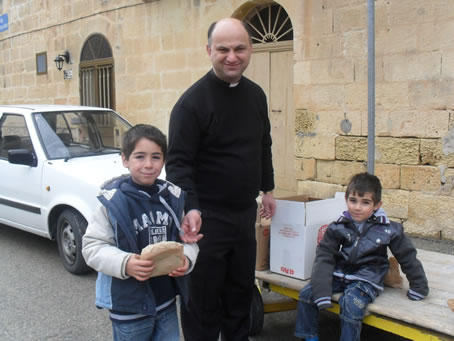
<point>366,228</point>
<point>356,241</point>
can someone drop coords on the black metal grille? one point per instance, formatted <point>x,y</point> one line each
<point>96,47</point>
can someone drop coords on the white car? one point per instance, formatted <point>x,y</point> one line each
<point>53,160</point>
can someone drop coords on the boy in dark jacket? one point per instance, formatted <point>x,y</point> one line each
<point>352,258</point>
<point>137,210</point>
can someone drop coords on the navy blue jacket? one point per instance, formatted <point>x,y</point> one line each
<point>124,204</point>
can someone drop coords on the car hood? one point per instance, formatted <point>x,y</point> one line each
<point>93,170</point>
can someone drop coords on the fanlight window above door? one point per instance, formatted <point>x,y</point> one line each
<point>96,47</point>
<point>269,24</point>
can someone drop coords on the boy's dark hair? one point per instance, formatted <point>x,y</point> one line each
<point>134,134</point>
<point>364,183</point>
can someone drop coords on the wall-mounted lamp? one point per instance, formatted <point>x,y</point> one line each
<point>61,58</point>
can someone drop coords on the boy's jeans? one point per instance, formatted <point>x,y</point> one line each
<point>163,327</point>
<point>353,302</point>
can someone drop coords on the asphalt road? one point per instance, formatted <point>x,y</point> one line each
<point>40,300</point>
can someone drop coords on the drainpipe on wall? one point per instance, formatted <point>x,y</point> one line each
<point>371,87</point>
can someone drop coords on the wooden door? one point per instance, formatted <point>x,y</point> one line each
<point>272,69</point>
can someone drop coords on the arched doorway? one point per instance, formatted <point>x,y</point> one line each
<point>271,67</point>
<point>96,73</point>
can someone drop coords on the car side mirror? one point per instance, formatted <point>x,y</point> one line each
<point>22,157</point>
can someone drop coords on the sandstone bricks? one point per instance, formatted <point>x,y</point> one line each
<point>158,51</point>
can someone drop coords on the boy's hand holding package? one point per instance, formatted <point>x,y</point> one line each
<point>181,271</point>
<point>138,268</point>
<point>167,257</point>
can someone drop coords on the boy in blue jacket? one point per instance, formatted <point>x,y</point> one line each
<point>136,210</point>
<point>352,259</point>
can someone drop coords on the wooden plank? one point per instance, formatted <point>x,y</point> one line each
<point>281,280</point>
<point>435,257</point>
<point>431,313</point>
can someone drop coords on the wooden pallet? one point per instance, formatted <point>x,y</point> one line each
<point>429,319</point>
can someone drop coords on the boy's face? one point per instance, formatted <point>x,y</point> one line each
<point>145,162</point>
<point>361,208</point>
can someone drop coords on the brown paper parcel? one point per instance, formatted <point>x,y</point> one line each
<point>166,255</point>
<point>451,303</point>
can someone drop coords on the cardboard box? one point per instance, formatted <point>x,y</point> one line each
<point>262,235</point>
<point>294,229</point>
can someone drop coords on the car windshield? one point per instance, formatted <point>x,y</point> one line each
<point>72,134</point>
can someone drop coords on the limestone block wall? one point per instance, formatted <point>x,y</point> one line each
<point>159,50</point>
<point>414,145</point>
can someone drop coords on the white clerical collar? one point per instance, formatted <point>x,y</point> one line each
<point>232,85</point>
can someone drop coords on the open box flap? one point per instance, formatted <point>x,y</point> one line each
<point>324,211</point>
<point>288,212</point>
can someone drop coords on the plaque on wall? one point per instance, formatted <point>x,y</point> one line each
<point>67,74</point>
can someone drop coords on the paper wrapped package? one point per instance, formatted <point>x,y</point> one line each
<point>393,278</point>
<point>166,255</point>
<point>451,304</point>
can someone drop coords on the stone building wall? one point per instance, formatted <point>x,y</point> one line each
<point>414,106</point>
<point>159,50</point>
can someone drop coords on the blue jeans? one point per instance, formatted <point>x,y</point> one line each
<point>353,302</point>
<point>163,327</point>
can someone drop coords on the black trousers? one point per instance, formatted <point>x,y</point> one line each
<point>222,281</point>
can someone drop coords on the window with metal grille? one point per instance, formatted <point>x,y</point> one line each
<point>97,73</point>
<point>269,24</point>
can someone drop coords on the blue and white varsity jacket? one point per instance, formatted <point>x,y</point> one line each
<point>112,237</point>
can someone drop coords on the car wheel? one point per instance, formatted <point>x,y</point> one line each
<point>256,314</point>
<point>71,227</point>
